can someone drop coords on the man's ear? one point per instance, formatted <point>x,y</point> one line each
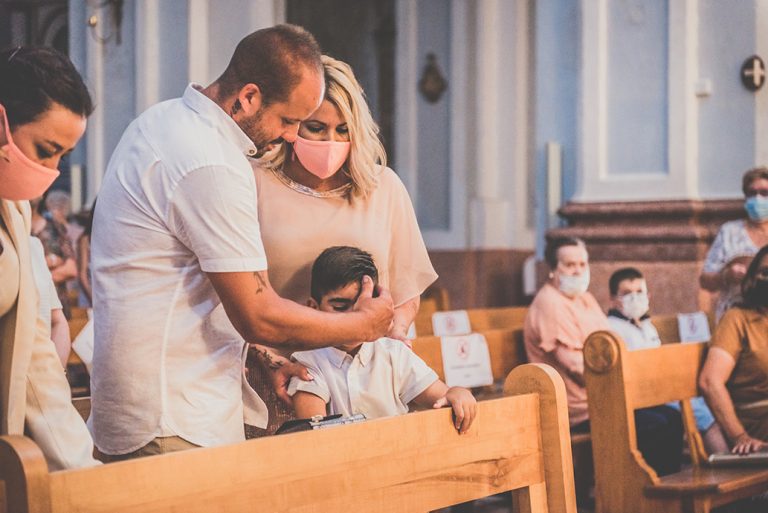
<point>312,303</point>
<point>250,99</point>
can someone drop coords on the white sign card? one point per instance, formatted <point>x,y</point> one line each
<point>450,323</point>
<point>466,361</point>
<point>83,344</point>
<point>694,327</point>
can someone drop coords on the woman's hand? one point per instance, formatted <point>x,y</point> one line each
<point>745,444</point>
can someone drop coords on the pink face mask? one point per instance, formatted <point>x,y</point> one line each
<point>20,177</point>
<point>321,158</point>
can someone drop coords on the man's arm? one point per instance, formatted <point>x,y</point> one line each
<point>307,405</point>
<point>263,317</point>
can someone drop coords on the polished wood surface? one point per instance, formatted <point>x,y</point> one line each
<point>414,462</point>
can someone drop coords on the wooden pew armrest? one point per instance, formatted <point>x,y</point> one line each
<point>709,481</point>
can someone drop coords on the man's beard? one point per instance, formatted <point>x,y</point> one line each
<point>253,129</point>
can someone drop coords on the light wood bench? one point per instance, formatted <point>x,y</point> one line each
<point>620,381</point>
<point>480,319</point>
<point>414,462</point>
<point>507,351</point>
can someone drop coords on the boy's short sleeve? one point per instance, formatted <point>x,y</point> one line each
<point>318,386</point>
<point>414,376</point>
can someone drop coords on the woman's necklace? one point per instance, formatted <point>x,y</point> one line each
<point>338,192</point>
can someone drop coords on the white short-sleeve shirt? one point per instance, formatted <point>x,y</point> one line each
<point>643,335</point>
<point>379,381</point>
<point>178,200</point>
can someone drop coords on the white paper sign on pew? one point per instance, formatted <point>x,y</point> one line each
<point>450,323</point>
<point>694,327</point>
<point>466,361</point>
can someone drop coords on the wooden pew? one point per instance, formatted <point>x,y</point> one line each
<point>620,381</point>
<point>414,462</point>
<point>480,319</point>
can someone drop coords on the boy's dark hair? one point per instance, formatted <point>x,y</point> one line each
<point>339,266</point>
<point>33,78</point>
<point>554,245</point>
<point>274,59</point>
<point>626,273</point>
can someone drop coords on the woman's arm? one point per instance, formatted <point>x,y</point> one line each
<point>404,316</point>
<point>717,369</point>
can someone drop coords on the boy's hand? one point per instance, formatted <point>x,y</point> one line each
<point>464,407</point>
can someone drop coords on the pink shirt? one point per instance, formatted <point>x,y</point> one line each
<point>555,330</point>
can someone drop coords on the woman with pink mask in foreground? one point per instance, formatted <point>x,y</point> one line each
<point>331,187</point>
<point>43,109</point>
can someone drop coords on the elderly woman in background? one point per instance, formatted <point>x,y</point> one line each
<point>331,187</point>
<point>734,378</point>
<point>737,242</point>
<point>43,109</point>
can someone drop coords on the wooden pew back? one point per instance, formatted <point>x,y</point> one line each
<point>620,381</point>
<point>480,319</point>
<point>504,345</point>
<point>415,462</point>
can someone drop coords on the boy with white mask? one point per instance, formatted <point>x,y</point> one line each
<point>629,317</point>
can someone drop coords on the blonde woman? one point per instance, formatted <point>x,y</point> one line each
<point>331,187</point>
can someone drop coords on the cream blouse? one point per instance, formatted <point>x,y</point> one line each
<point>9,270</point>
<point>297,224</point>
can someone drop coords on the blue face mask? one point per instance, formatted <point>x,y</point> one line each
<point>757,208</point>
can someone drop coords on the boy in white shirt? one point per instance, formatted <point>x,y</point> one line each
<point>377,379</point>
<point>629,318</point>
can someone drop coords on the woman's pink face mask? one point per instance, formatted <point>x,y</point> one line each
<point>20,177</point>
<point>321,158</point>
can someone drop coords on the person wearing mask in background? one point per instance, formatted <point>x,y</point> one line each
<point>43,109</point>
<point>563,314</point>
<point>629,317</point>
<point>737,242</point>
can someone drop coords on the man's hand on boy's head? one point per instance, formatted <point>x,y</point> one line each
<point>380,310</point>
<point>464,407</point>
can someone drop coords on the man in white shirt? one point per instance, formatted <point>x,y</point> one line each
<point>179,269</point>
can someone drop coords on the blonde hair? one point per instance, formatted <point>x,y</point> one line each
<point>367,152</point>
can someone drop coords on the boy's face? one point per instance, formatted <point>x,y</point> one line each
<point>626,287</point>
<point>339,300</point>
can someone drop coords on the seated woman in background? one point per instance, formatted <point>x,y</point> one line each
<point>563,314</point>
<point>737,242</point>
<point>734,379</point>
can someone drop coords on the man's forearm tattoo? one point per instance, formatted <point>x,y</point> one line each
<point>268,359</point>
<point>261,285</point>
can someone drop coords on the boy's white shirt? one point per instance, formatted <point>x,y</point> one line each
<point>642,336</point>
<point>379,381</point>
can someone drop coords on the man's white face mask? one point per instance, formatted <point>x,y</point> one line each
<point>634,305</point>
